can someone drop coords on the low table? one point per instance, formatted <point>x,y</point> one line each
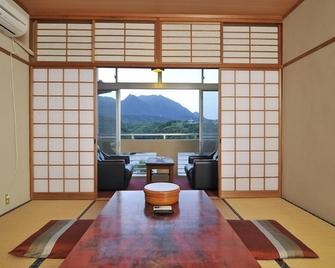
<point>159,162</point>
<point>128,234</point>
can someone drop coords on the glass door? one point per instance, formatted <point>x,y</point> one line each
<point>108,130</point>
<point>208,122</point>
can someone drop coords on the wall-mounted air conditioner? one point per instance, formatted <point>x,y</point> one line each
<point>13,19</point>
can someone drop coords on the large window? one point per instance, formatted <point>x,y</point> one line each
<point>159,114</point>
<point>146,113</point>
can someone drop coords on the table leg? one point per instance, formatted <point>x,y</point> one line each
<point>149,173</point>
<point>171,173</point>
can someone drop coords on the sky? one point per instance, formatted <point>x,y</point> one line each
<point>187,98</point>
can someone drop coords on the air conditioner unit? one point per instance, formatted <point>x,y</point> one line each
<point>13,19</point>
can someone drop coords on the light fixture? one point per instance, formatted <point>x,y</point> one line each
<point>157,70</point>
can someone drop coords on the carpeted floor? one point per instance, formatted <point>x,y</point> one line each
<point>138,183</point>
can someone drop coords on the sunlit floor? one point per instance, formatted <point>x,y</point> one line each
<point>22,222</point>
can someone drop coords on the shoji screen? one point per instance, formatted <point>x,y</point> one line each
<point>189,43</point>
<point>250,123</point>
<point>65,42</point>
<point>250,44</point>
<point>120,41</point>
<point>63,153</point>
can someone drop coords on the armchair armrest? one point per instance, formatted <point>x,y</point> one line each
<point>125,158</point>
<point>192,158</point>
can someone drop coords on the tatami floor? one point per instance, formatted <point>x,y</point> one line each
<point>22,222</point>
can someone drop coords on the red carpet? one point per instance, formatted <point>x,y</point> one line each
<point>138,183</point>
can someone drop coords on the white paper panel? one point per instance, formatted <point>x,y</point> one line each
<point>228,157</point>
<point>242,131</point>
<point>56,158</point>
<point>86,185</point>
<point>228,184</point>
<point>227,131</point>
<point>242,184</point>
<point>70,103</point>
<point>191,43</point>
<point>257,184</point>
<point>71,172</point>
<point>55,131</point>
<point>271,171</point>
<point>56,172</point>
<point>87,158</point>
<point>257,171</point>
<point>40,89</point>
<point>40,117</point>
<point>71,131</point>
<point>86,131</point>
<point>56,144</point>
<point>228,90</point>
<point>86,89</point>
<point>55,89</point>
<point>62,145</point>
<point>87,172</point>
<point>257,131</point>
<point>124,42</point>
<point>71,158</point>
<point>58,41</point>
<point>71,144</point>
<point>71,117</point>
<point>242,171</point>
<point>40,130</point>
<point>56,186</point>
<point>41,172</point>
<point>250,128</point>
<point>41,186</point>
<point>72,186</point>
<point>242,157</point>
<point>228,144</point>
<point>227,171</point>
<point>271,184</point>
<point>261,44</point>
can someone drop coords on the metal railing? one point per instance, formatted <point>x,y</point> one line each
<point>156,136</point>
<point>163,136</point>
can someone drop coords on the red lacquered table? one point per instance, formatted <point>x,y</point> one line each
<point>128,234</point>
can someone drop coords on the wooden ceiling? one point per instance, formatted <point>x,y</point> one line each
<point>104,8</point>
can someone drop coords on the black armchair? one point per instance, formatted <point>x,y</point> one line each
<point>114,172</point>
<point>202,171</point>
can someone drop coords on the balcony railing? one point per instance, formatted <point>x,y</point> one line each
<point>162,136</point>
<point>141,146</point>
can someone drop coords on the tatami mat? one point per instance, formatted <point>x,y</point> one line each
<point>225,210</point>
<point>22,222</point>
<point>94,210</point>
<point>17,225</point>
<point>315,233</point>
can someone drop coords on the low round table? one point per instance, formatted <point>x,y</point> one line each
<point>161,193</point>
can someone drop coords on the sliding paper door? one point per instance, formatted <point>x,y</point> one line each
<point>63,131</point>
<point>250,127</point>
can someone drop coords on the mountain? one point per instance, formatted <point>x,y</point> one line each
<point>153,108</point>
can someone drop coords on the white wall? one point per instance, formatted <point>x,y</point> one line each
<point>14,138</point>
<point>309,109</point>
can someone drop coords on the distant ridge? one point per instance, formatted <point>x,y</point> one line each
<point>153,108</point>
